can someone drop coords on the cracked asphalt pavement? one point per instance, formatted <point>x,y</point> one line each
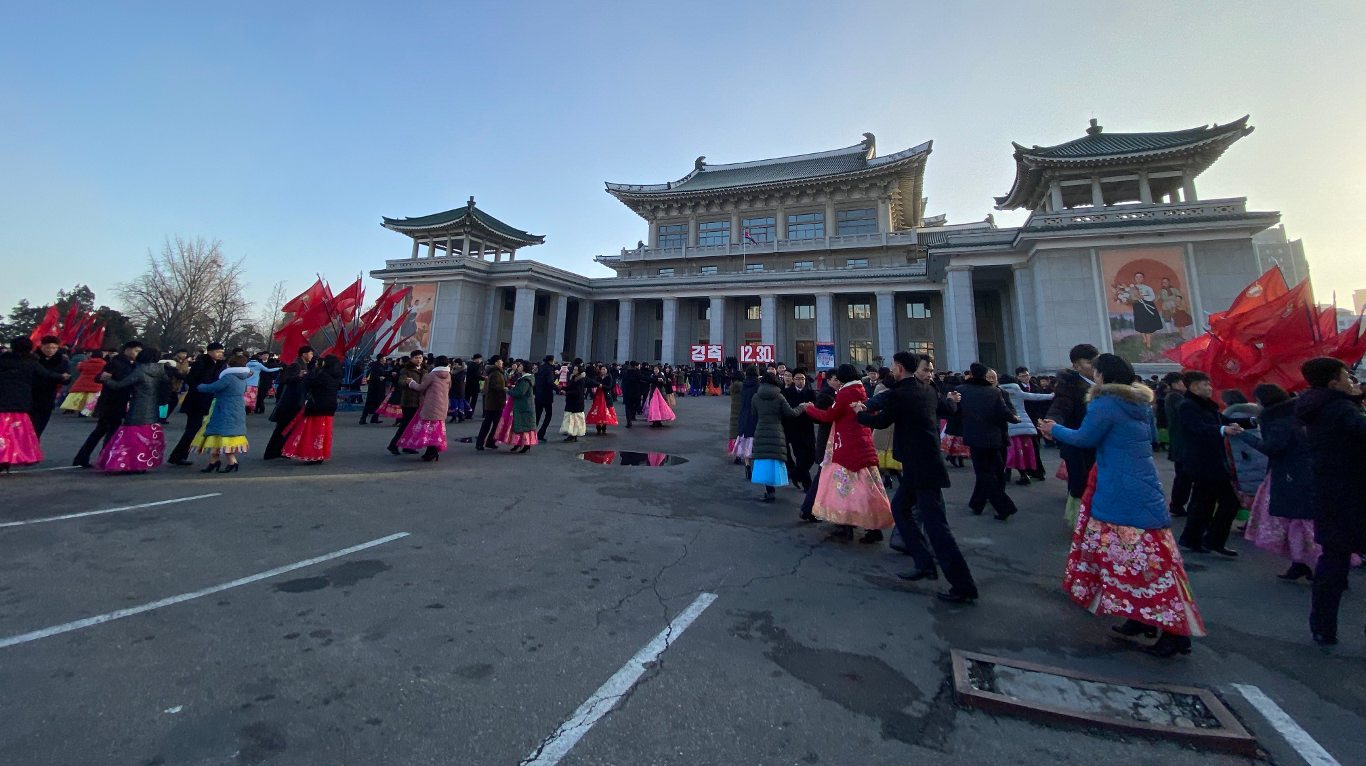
<point>527,581</point>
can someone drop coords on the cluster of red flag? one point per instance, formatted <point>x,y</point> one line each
<point>77,330</point>
<point>317,311</point>
<point>1264,337</point>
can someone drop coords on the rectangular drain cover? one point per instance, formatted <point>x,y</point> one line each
<point>1182,713</point>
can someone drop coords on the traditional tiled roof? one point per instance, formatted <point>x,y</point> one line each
<point>801,168</point>
<point>1200,147</point>
<point>468,218</point>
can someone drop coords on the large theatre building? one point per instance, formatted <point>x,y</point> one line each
<point>835,248</point>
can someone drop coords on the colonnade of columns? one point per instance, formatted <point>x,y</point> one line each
<point>464,245</point>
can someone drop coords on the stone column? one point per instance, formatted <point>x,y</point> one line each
<point>780,222</point>
<point>736,232</point>
<point>492,311</point>
<point>884,214</point>
<point>768,319</point>
<point>886,327</point>
<point>431,247</point>
<point>512,255</point>
<point>653,240</point>
<point>692,231</point>
<point>1097,196</point>
<point>1055,196</point>
<point>450,245</point>
<point>717,332</point>
<point>583,343</point>
<point>830,227</point>
<point>559,310</point>
<point>416,244</point>
<point>625,325</point>
<point>465,245</point>
<point>960,318</point>
<point>1145,192</point>
<point>1188,187</point>
<point>1025,333</point>
<point>522,316</point>
<point>669,331</point>
<point>825,318</point>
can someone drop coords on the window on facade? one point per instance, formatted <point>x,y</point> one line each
<point>754,267</point>
<point>861,221</point>
<point>509,300</point>
<point>754,311</point>
<point>666,272</point>
<point>917,310</point>
<point>856,263</point>
<point>803,266</point>
<point>759,229</point>
<point>672,235</point>
<point>860,353</point>
<point>804,311</point>
<point>708,270</point>
<point>806,226</point>
<point>542,304</point>
<point>713,233</point>
<point>659,349</point>
<point>921,347</point>
<point>703,312</point>
<point>860,311</point>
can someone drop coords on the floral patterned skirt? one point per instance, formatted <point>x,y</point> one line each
<point>952,446</point>
<point>310,437</point>
<point>18,441</point>
<point>133,449</point>
<point>742,446</point>
<point>83,404</point>
<point>573,424</point>
<point>1129,572</point>
<point>503,433</point>
<point>1288,538</point>
<point>1020,454</point>
<point>856,498</point>
<point>249,397</point>
<point>424,433</point>
<point>600,414</point>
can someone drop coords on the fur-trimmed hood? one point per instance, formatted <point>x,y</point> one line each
<point>1136,393</point>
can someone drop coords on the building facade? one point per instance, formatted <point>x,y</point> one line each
<point>835,248</point>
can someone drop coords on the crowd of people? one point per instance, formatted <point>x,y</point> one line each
<point>868,450</point>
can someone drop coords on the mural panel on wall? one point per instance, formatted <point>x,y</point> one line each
<point>1148,301</point>
<point>418,323</point>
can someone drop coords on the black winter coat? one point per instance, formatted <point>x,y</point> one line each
<point>289,391</point>
<point>915,409</point>
<point>115,403</point>
<point>143,386</point>
<point>1336,428</point>
<point>321,388</point>
<point>204,369</point>
<point>985,414</point>
<point>45,386</point>
<point>1203,454</point>
<point>769,408</point>
<point>573,393</point>
<point>544,389</point>
<point>1171,406</point>
<point>18,372</point>
<point>798,428</point>
<point>1069,399</point>
<point>1291,468</point>
<point>748,421</point>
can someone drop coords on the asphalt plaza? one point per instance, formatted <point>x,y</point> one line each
<point>525,583</point>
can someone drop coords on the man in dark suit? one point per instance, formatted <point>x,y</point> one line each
<point>544,393</point>
<point>205,369</point>
<point>1069,409</point>
<point>112,404</point>
<point>985,417</point>
<point>289,400</point>
<point>633,385</point>
<point>1213,504</point>
<point>474,375</point>
<point>50,358</point>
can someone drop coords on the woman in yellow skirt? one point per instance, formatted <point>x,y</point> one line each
<point>225,432</point>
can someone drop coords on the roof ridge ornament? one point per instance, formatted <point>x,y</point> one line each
<point>870,143</point>
<point>699,163</point>
<point>471,203</point>
<point>1095,128</point>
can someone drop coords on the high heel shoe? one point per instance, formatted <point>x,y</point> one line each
<point>1296,571</point>
<point>210,468</point>
<point>1170,645</point>
<point>231,468</point>
<point>1132,628</point>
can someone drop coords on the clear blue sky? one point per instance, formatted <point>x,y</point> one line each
<point>287,129</point>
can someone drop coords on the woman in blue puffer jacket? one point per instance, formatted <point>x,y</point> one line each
<point>1124,560</point>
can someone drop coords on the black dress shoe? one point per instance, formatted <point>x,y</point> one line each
<point>1193,548</point>
<point>871,536</point>
<point>393,451</point>
<point>1132,628</point>
<point>1296,571</point>
<point>809,519</point>
<point>919,574</point>
<point>956,597</point>
<point>1225,551</point>
<point>1323,640</point>
<point>1170,645</point>
<point>976,511</point>
<point>407,451</point>
<point>1003,516</point>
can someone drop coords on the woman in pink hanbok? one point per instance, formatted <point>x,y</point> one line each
<point>428,428</point>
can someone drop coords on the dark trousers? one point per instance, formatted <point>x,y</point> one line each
<point>989,465</point>
<point>39,416</point>
<point>1181,491</point>
<point>920,514</point>
<point>1038,472</point>
<point>283,416</point>
<point>809,501</point>
<point>1330,580</point>
<point>1079,462</point>
<point>408,414</point>
<point>472,397</point>
<point>486,428</point>
<point>1212,509</point>
<point>374,399</point>
<point>803,458</point>
<point>182,447</point>
<point>547,407</point>
<point>104,429</point>
<point>633,402</point>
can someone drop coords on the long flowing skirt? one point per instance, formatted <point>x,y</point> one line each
<point>227,444</point>
<point>600,414</point>
<point>249,398</point>
<point>770,473</point>
<point>18,440</point>
<point>1129,572</point>
<point>856,498</point>
<point>133,449</point>
<point>1288,538</point>
<point>424,433</point>
<point>1020,454</point>
<point>573,424</point>
<point>657,409</point>
<point>503,433</point>
<point>310,437</point>
<point>952,446</point>
<point>77,402</point>
<point>742,446</point>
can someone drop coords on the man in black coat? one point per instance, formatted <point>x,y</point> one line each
<point>474,375</point>
<point>1171,406</point>
<point>800,432</point>
<point>289,399</point>
<point>267,379</point>
<point>375,376</point>
<point>915,406</point>
<point>543,391</point>
<point>633,386</point>
<point>112,404</point>
<point>985,418</point>
<point>1069,409</point>
<point>204,369</point>
<point>45,387</point>
<point>1332,414</point>
<point>1213,504</point>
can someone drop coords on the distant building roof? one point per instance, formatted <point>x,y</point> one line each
<point>1198,147</point>
<point>462,219</point>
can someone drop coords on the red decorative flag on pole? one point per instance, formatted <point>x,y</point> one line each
<point>49,326</point>
<point>1267,288</point>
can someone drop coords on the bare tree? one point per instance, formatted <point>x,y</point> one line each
<point>190,294</point>
<point>271,315</point>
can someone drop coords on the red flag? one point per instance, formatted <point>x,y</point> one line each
<point>310,297</point>
<point>95,339</point>
<point>1232,363</point>
<point>70,324</point>
<point>1267,288</point>
<point>348,300</point>
<point>1348,345</point>
<point>384,305</point>
<point>49,325</point>
<point>1252,323</point>
<point>1191,353</point>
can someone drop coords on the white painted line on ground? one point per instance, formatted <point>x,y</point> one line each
<point>106,510</point>
<point>55,468</point>
<point>559,744</point>
<point>24,638</point>
<point>1308,748</point>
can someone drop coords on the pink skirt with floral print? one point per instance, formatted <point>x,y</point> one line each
<point>18,441</point>
<point>424,433</point>
<point>133,449</point>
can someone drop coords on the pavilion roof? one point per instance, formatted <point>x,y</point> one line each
<point>461,220</point>
<point>1196,147</point>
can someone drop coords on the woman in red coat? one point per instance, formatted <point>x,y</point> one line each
<point>850,492</point>
<point>86,389</point>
